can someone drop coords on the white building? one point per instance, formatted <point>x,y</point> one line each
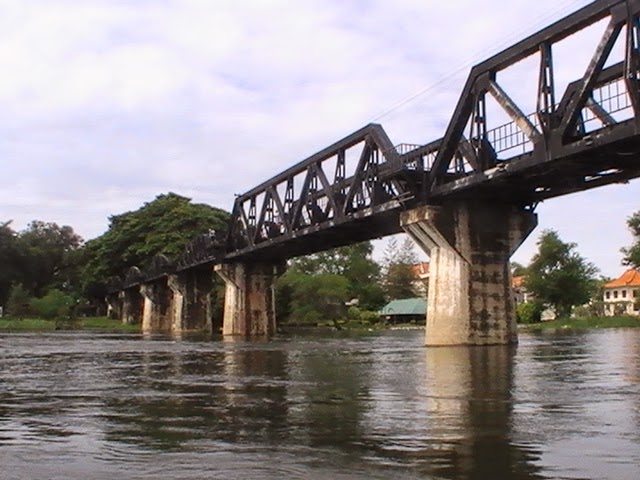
<point>622,296</point>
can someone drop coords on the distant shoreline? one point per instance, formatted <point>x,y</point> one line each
<point>582,323</point>
<point>101,324</point>
<point>104,324</point>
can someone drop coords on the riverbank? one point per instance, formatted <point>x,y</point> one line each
<point>102,324</point>
<point>583,323</point>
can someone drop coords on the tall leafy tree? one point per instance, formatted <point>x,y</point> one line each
<point>163,226</point>
<point>632,253</point>
<point>558,276</point>
<point>399,277</point>
<point>352,262</point>
<point>8,260</point>
<point>47,255</point>
<point>314,297</point>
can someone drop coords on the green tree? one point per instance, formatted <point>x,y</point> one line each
<point>529,312</point>
<point>18,303</point>
<point>558,276</point>
<point>9,272</point>
<point>315,297</point>
<point>164,226</point>
<point>399,277</point>
<point>53,306</point>
<point>47,255</point>
<point>632,253</point>
<point>355,264</point>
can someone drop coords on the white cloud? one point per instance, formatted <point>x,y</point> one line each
<point>104,104</point>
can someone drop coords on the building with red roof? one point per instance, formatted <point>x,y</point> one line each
<point>622,295</point>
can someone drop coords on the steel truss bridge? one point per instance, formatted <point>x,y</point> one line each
<point>354,190</point>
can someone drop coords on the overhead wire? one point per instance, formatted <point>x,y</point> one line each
<point>540,21</point>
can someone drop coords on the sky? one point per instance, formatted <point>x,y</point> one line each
<point>105,104</point>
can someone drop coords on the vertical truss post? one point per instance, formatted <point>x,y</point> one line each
<point>288,197</point>
<point>459,162</point>
<point>312,205</point>
<point>478,132</point>
<point>632,63</point>
<point>372,174</point>
<point>269,210</point>
<point>252,212</point>
<point>341,169</point>
<point>546,90</point>
<point>341,172</point>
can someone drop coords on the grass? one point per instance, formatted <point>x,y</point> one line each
<point>102,324</point>
<point>584,323</point>
<point>26,325</point>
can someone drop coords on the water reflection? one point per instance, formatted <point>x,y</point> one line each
<point>472,404</point>
<point>561,406</point>
<point>457,422</point>
<point>328,394</point>
<point>233,394</point>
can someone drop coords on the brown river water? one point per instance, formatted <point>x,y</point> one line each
<point>319,406</point>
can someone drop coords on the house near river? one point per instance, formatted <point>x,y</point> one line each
<point>622,295</point>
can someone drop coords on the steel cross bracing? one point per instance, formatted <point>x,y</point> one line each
<point>354,190</point>
<point>586,137</point>
<point>338,196</point>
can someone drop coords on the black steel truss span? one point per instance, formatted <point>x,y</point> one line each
<point>354,189</point>
<point>584,138</point>
<point>204,249</point>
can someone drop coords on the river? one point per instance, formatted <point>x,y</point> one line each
<point>319,406</point>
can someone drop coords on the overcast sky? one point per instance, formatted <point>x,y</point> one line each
<point>105,104</point>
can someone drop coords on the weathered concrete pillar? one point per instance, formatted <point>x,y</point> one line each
<point>114,305</point>
<point>249,301</point>
<point>470,300</point>
<point>157,315</point>
<point>132,305</point>
<point>190,308</point>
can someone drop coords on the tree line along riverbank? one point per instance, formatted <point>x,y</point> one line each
<point>50,272</point>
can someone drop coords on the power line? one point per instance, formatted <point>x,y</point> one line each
<point>541,21</point>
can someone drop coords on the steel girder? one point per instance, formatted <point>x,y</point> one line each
<point>354,189</point>
<point>585,139</point>
<point>340,188</point>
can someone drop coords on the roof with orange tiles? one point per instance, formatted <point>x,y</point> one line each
<point>630,278</point>
<point>518,281</point>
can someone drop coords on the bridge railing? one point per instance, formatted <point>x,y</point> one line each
<point>601,100</point>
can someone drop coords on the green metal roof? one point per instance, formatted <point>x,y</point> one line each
<point>405,306</point>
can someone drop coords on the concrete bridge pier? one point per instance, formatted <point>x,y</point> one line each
<point>132,305</point>
<point>157,314</point>
<point>191,300</point>
<point>469,244</point>
<point>249,303</point>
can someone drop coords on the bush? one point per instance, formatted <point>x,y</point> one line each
<point>55,305</point>
<point>529,312</point>
<point>363,316</point>
<point>18,304</point>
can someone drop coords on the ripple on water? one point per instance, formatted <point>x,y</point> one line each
<point>338,406</point>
